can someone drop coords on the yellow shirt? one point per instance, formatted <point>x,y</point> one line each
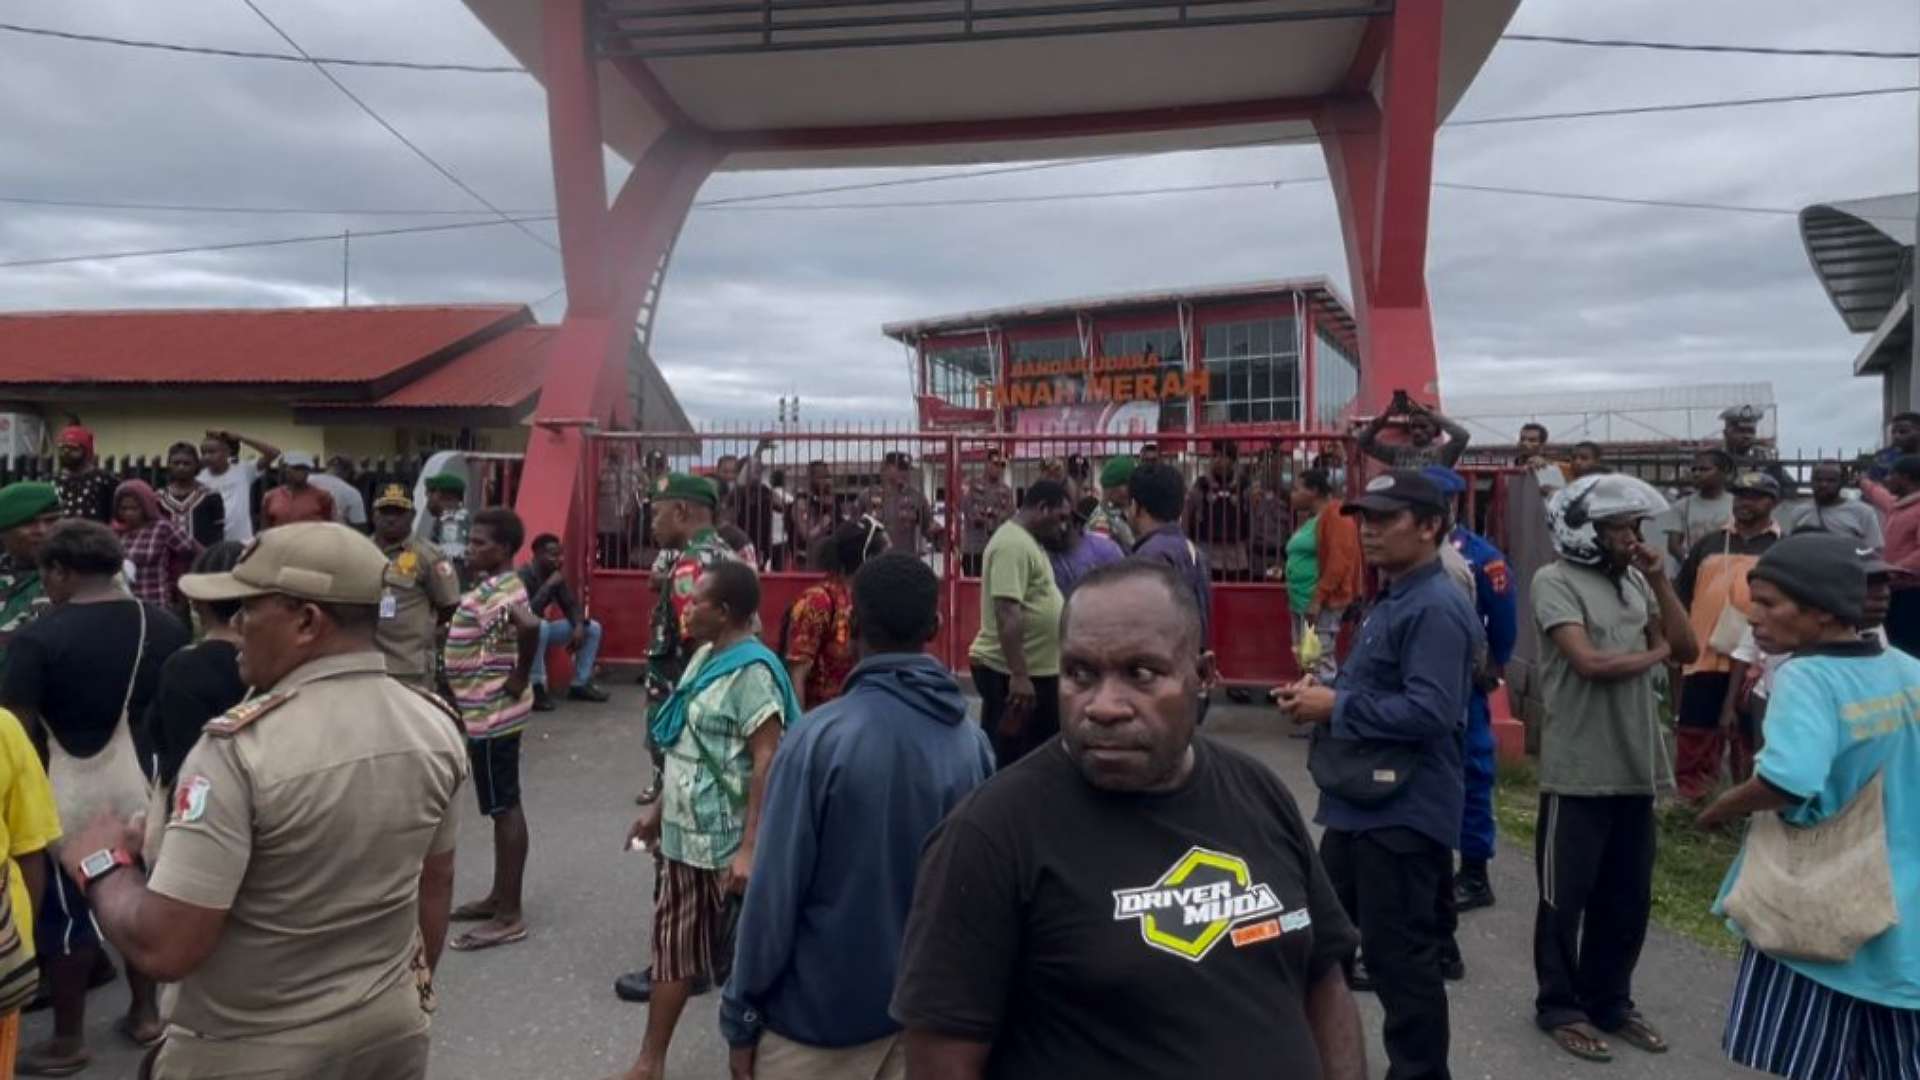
<point>29,821</point>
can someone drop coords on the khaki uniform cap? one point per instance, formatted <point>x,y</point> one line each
<point>320,561</point>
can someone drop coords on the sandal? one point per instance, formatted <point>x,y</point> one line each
<point>1635,1031</point>
<point>35,1061</point>
<point>474,911</point>
<point>1582,1041</point>
<point>124,1027</point>
<point>475,941</point>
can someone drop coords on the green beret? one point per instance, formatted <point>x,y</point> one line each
<point>1117,471</point>
<point>449,482</point>
<point>21,503</point>
<point>694,489</point>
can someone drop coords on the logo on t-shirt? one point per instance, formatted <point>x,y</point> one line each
<point>1200,897</point>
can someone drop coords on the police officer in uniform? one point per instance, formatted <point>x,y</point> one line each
<point>299,899</point>
<point>1495,605</point>
<point>422,587</point>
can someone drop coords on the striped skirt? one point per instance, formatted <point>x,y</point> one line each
<point>1782,1022</point>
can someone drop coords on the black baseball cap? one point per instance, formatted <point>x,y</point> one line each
<point>1755,483</point>
<point>1819,570</point>
<point>1396,490</point>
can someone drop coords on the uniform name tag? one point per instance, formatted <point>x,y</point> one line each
<point>389,605</point>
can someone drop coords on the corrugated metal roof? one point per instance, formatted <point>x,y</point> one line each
<point>504,373</point>
<point>1320,292</point>
<point>1862,251</point>
<point>238,347</point>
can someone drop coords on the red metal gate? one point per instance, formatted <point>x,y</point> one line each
<point>1251,632</point>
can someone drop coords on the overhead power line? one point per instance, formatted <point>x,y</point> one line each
<point>395,132</point>
<point>1676,204</point>
<point>249,54</point>
<point>1676,46</point>
<point>969,174</point>
<point>282,241</point>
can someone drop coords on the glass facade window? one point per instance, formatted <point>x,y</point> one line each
<point>1336,380</point>
<point>1253,372</point>
<point>1067,348</point>
<point>955,375</point>
<point>1165,344</point>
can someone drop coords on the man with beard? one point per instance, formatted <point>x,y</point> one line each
<point>1610,620</point>
<point>1829,510</point>
<point>1016,655</point>
<point>86,489</point>
<point>1067,950</point>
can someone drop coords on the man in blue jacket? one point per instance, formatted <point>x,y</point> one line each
<point>855,788</point>
<point>1386,757</point>
<point>1495,605</point>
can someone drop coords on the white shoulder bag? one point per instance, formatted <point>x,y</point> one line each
<point>110,780</point>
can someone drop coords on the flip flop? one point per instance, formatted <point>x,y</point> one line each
<point>474,911</point>
<point>471,941</point>
<point>31,1064</point>
<point>1636,1032</point>
<point>1566,1037</point>
<point>124,1026</point>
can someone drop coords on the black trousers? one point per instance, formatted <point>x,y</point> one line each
<point>1389,881</point>
<point>1042,724</point>
<point>1594,859</point>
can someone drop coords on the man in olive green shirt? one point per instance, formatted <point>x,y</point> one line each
<point>1016,655</point>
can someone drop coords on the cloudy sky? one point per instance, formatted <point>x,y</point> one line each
<point>1531,294</point>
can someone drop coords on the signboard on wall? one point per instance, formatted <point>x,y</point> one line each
<point>1095,380</point>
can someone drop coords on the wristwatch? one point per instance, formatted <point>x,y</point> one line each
<point>101,863</point>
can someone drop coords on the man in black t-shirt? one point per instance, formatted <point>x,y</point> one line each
<point>1171,919</point>
<point>73,680</point>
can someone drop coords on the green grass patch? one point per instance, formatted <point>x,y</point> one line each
<point>1686,872</point>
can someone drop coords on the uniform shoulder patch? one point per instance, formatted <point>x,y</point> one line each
<point>1497,575</point>
<point>236,719</point>
<point>435,700</point>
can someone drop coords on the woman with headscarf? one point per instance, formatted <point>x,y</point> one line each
<point>195,508</point>
<point>159,551</point>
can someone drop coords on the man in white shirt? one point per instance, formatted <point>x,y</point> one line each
<point>232,479</point>
<point>349,506</point>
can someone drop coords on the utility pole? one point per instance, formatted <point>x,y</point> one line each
<point>346,264</point>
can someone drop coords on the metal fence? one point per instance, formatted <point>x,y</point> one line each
<point>784,491</point>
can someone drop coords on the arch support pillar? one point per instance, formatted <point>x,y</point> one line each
<point>610,256</point>
<point>1379,151</point>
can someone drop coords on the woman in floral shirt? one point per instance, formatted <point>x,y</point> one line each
<point>818,638</point>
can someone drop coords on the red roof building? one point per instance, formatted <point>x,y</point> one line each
<point>366,381</point>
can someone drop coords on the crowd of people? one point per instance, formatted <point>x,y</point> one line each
<point>234,757</point>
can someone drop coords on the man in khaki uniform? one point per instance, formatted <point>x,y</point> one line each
<point>299,899</point>
<point>421,588</point>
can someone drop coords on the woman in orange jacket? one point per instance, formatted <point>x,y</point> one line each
<point>1323,566</point>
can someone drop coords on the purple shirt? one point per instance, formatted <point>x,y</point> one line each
<point>1092,552</point>
<point>1168,545</point>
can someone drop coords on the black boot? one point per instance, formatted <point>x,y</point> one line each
<point>1471,889</point>
<point>637,986</point>
<point>542,701</point>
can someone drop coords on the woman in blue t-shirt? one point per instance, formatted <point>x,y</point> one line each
<point>1843,711</point>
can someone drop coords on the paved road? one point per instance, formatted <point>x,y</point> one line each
<point>545,1009</point>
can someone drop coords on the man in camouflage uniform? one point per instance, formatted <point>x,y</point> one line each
<point>683,522</point>
<point>1112,517</point>
<point>987,505</point>
<point>27,513</point>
